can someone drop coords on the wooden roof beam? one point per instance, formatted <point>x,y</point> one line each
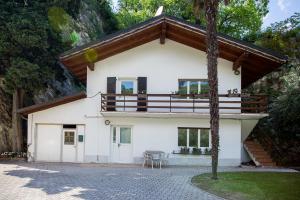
<point>91,66</point>
<point>238,62</point>
<point>77,68</point>
<point>163,33</point>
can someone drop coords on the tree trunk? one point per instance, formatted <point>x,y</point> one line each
<point>17,120</point>
<point>197,7</point>
<point>5,120</point>
<point>211,9</point>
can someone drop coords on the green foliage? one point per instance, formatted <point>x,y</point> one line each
<point>283,128</point>
<point>284,114</point>
<point>283,88</point>
<point>134,11</point>
<point>290,79</point>
<point>58,18</point>
<point>18,76</point>
<point>240,19</point>
<point>29,44</point>
<point>34,32</point>
<point>109,21</point>
<point>283,37</point>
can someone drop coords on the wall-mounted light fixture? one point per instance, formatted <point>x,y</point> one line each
<point>237,72</point>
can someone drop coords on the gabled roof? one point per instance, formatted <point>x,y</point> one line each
<point>257,62</point>
<point>53,103</point>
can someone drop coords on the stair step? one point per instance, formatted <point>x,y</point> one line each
<point>256,150</point>
<point>252,144</point>
<point>263,160</point>
<point>255,146</point>
<point>268,164</point>
<point>259,154</point>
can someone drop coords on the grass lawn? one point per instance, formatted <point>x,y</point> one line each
<point>252,185</point>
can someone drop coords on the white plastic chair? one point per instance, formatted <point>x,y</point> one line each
<point>147,158</point>
<point>156,159</point>
<point>165,159</point>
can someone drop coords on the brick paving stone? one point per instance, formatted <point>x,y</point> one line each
<point>35,181</point>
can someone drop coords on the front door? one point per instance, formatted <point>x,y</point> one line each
<point>69,145</point>
<point>121,144</point>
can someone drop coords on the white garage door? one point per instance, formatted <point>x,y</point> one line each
<point>49,143</point>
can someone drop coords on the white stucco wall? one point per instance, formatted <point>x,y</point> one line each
<point>163,65</point>
<point>246,127</point>
<point>162,134</point>
<point>70,113</point>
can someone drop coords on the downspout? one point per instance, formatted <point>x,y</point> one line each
<point>29,154</point>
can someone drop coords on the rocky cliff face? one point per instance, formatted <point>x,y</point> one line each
<point>89,23</point>
<point>94,20</point>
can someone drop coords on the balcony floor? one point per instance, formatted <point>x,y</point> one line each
<point>182,115</point>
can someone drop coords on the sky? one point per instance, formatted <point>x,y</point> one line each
<point>278,10</point>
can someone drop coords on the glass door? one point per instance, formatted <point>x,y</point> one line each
<point>121,144</point>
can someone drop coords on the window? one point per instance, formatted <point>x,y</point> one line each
<point>69,138</point>
<point>69,126</point>
<point>125,135</point>
<point>182,87</point>
<point>182,137</point>
<point>204,87</point>
<point>114,134</point>
<point>127,87</point>
<point>193,86</point>
<point>204,138</point>
<point>194,137</point>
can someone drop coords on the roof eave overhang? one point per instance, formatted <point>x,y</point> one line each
<point>56,102</point>
<point>262,60</point>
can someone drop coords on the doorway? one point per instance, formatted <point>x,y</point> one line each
<point>121,144</point>
<point>69,145</point>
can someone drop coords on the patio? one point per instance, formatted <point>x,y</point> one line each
<point>20,180</point>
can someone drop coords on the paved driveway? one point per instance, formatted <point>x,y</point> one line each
<point>93,181</point>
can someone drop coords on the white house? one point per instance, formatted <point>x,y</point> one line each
<point>146,89</point>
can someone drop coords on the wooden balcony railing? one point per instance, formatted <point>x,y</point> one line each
<point>236,103</point>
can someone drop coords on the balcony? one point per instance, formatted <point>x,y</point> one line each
<point>175,103</point>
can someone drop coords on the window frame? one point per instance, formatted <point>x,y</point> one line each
<point>199,137</point>
<point>189,85</point>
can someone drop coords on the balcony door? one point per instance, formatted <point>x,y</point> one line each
<point>127,87</point>
<point>121,144</point>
